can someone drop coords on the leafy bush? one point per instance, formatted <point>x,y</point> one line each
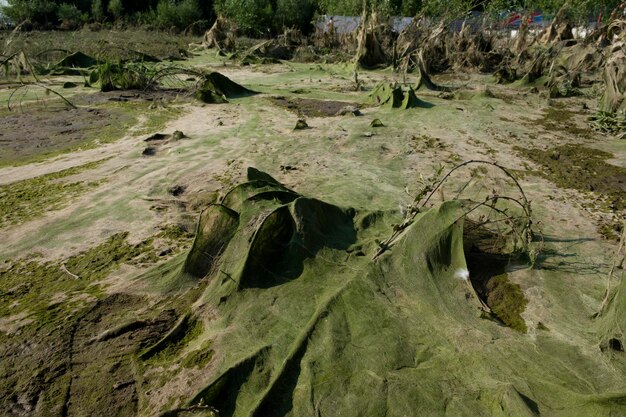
<point>70,16</point>
<point>182,14</point>
<point>294,13</point>
<point>97,11</point>
<point>149,17</point>
<point>341,7</point>
<point>41,12</point>
<point>116,8</point>
<point>166,13</point>
<point>188,12</point>
<point>253,17</point>
<point>382,7</point>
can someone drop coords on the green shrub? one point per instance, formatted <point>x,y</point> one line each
<point>39,12</point>
<point>148,17</point>
<point>382,7</point>
<point>341,7</point>
<point>70,17</point>
<point>166,13</point>
<point>178,14</point>
<point>188,12</point>
<point>116,8</point>
<point>254,17</point>
<point>97,11</point>
<point>294,13</point>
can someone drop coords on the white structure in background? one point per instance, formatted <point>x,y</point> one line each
<point>349,24</point>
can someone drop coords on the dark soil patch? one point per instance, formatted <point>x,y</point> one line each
<point>584,169</point>
<point>164,95</point>
<point>103,382</point>
<point>33,133</point>
<point>311,107</point>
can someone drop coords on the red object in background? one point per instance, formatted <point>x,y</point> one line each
<point>515,19</point>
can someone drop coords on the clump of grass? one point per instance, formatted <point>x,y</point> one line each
<point>28,199</point>
<point>118,76</point>
<point>560,119</point>
<point>506,300</point>
<point>611,123</point>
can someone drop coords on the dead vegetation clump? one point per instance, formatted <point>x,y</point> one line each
<point>614,76</point>
<point>475,49</point>
<point>221,36</point>
<point>560,29</point>
<point>370,50</point>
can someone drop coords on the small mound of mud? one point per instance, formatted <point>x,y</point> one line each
<point>158,140</point>
<point>311,107</point>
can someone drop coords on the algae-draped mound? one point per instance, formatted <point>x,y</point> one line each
<point>301,321</point>
<point>396,97</point>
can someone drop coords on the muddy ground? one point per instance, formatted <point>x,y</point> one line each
<point>101,217</point>
<point>37,128</point>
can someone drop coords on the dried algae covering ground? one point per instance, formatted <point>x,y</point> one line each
<point>149,272</point>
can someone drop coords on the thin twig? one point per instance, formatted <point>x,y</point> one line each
<point>429,191</point>
<point>64,269</point>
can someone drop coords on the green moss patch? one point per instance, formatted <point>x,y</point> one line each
<point>33,285</point>
<point>174,233</point>
<point>507,302</point>
<point>559,119</point>
<point>24,200</point>
<point>584,169</point>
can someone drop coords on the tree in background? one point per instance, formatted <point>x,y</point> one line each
<point>116,8</point>
<point>38,12</point>
<point>254,17</point>
<point>70,16</point>
<point>97,11</point>
<point>179,14</point>
<point>257,17</point>
<point>452,9</point>
<point>294,13</point>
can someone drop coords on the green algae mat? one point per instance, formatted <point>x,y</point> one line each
<point>298,319</point>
